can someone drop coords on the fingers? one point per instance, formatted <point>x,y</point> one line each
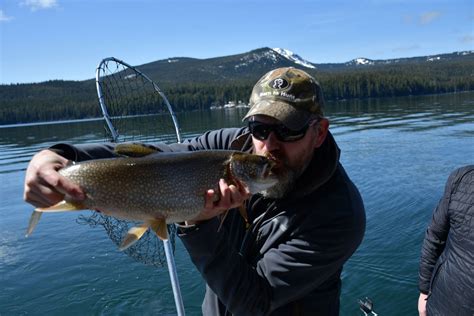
<point>37,200</point>
<point>67,187</point>
<point>227,197</point>
<point>210,198</point>
<point>45,198</point>
<point>44,186</point>
<point>422,304</point>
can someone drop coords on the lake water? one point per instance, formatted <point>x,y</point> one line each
<point>398,151</point>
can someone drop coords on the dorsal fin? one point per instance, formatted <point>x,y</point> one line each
<point>134,149</point>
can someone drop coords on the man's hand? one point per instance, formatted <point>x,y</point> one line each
<point>215,204</point>
<point>422,304</point>
<point>44,186</point>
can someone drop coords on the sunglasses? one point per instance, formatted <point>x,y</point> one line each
<point>261,131</point>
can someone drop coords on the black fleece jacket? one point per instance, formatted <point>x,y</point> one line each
<point>289,261</point>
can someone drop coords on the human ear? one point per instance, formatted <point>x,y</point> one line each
<point>322,128</point>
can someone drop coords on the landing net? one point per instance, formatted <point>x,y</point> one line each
<point>134,109</point>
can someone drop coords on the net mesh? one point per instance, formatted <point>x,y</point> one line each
<point>148,249</point>
<point>134,104</point>
<point>137,112</point>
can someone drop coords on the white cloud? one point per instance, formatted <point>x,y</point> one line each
<point>4,17</point>
<point>39,4</point>
<point>429,17</point>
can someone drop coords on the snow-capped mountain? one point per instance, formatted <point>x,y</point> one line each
<point>272,56</point>
<point>288,54</point>
<point>432,58</point>
<point>251,65</point>
<point>360,61</point>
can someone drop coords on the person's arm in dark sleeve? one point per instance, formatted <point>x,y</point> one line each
<point>435,240</point>
<point>217,139</point>
<point>85,151</point>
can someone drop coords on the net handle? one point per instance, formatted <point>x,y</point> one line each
<point>166,243</point>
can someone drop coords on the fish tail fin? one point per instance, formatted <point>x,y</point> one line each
<point>34,219</point>
<point>133,235</point>
<point>160,228</point>
<point>62,206</point>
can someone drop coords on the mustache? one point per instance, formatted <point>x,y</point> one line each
<point>276,157</point>
<point>281,167</point>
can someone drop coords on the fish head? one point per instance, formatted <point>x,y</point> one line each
<point>253,171</point>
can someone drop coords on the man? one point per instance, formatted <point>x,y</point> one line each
<point>287,259</point>
<point>446,277</point>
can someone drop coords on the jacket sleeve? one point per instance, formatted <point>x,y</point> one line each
<point>435,239</point>
<point>217,139</point>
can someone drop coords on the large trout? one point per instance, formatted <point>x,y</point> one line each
<point>158,188</point>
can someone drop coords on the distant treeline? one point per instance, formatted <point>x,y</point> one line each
<point>61,100</point>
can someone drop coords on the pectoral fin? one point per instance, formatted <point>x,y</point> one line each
<point>160,228</point>
<point>133,235</point>
<point>134,149</point>
<point>62,206</point>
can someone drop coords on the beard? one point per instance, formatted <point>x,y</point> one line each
<point>286,182</point>
<point>287,177</point>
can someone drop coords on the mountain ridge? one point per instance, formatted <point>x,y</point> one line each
<point>251,65</point>
<point>291,56</point>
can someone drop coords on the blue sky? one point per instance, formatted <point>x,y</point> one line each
<point>66,39</point>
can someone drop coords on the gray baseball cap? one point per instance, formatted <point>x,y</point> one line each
<point>289,95</point>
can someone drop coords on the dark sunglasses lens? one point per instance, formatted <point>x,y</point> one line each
<point>292,136</point>
<point>285,134</point>
<point>259,131</point>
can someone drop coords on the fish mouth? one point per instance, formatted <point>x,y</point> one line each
<point>268,170</point>
<point>275,163</point>
<point>271,157</point>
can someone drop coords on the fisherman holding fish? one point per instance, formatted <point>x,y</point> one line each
<point>283,252</point>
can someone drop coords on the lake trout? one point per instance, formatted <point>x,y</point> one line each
<point>158,188</point>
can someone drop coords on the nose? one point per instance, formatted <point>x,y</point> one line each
<point>271,143</point>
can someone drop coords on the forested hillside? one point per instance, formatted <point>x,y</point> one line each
<point>59,100</point>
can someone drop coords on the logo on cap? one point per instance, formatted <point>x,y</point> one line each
<point>279,83</point>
